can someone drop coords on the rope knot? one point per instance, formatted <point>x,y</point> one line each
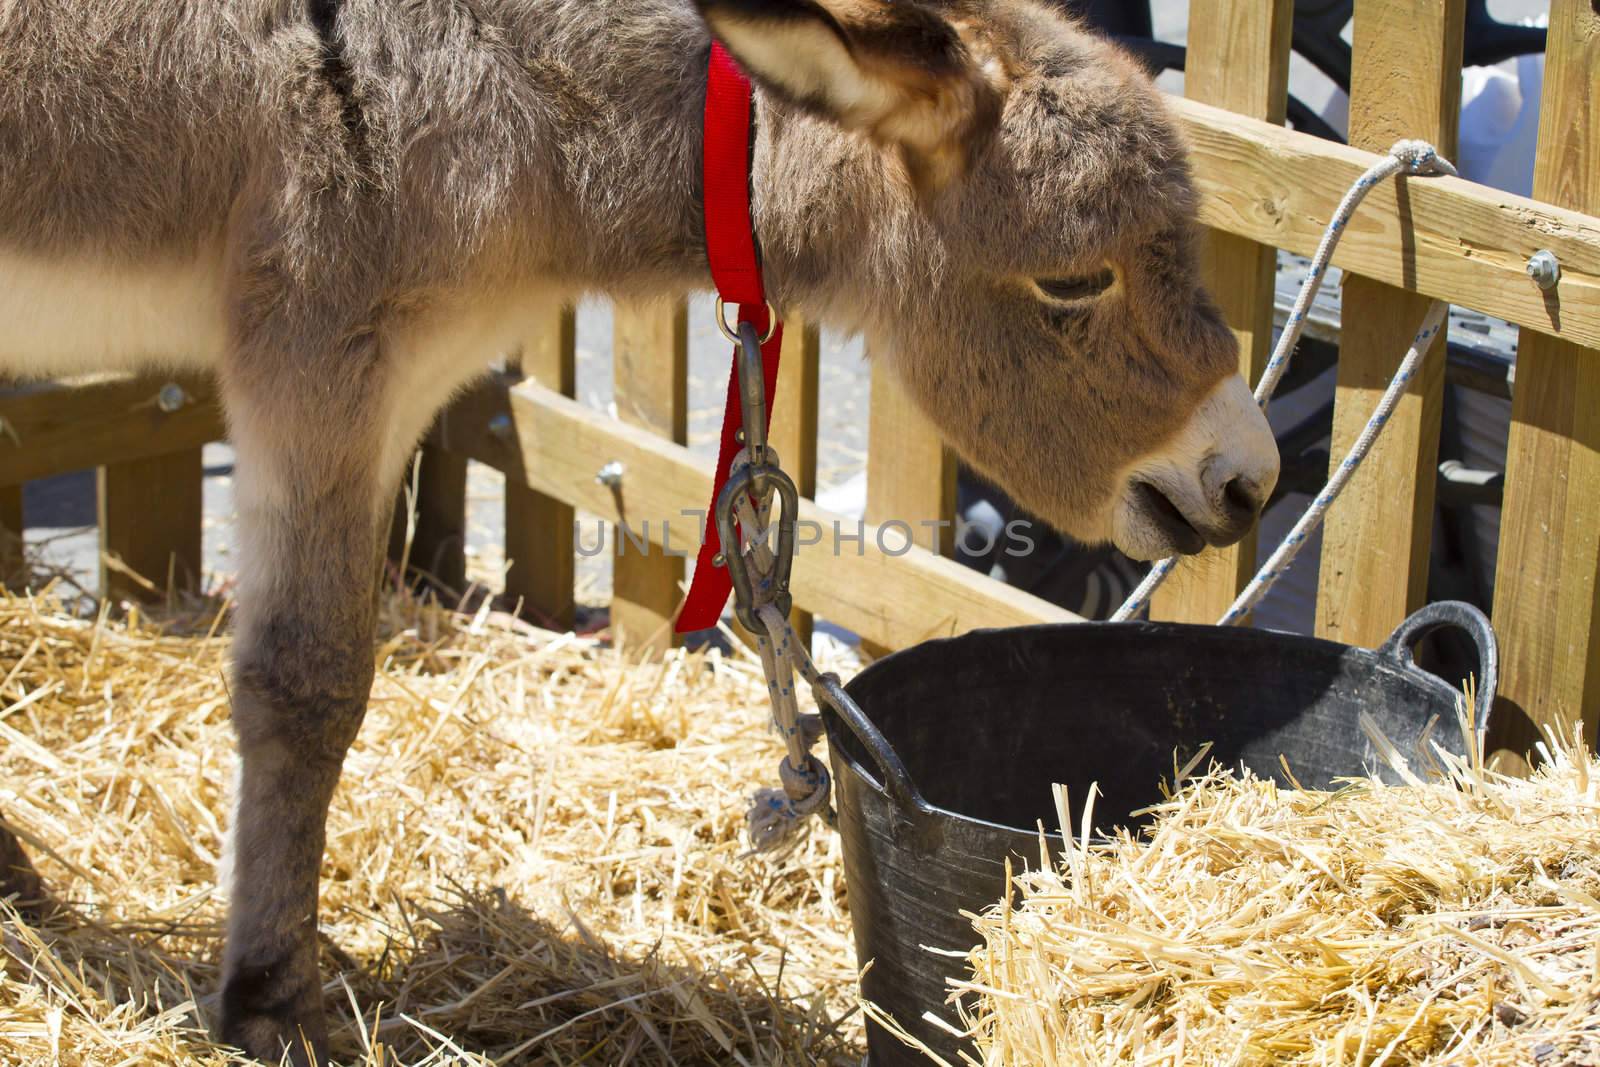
<point>1421,158</point>
<point>807,787</point>
<point>778,816</point>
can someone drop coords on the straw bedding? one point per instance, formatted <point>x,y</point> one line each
<point>534,856</point>
<point>1457,922</point>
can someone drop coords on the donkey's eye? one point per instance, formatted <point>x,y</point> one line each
<point>1081,288</point>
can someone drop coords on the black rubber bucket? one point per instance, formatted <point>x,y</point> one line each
<point>945,767</point>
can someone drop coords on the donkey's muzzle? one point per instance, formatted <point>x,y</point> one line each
<point>1158,509</point>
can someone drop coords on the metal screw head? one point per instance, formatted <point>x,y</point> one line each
<point>1544,268</point>
<point>610,475</point>
<point>171,398</point>
<point>501,427</point>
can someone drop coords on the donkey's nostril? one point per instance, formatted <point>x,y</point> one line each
<point>1243,499</point>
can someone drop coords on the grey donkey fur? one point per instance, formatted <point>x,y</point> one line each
<point>348,208</point>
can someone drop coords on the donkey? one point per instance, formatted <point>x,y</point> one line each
<point>347,208</point>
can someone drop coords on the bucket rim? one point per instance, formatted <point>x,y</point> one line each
<point>1393,657</point>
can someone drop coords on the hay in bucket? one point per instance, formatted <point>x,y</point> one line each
<point>535,855</point>
<point>1453,921</point>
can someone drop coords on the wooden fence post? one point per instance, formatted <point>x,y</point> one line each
<point>1377,539</point>
<point>794,425</point>
<point>1238,59</point>
<point>911,475</point>
<point>650,350</point>
<point>1545,596</point>
<point>150,519</point>
<point>439,543</point>
<point>541,565</point>
<point>12,557</point>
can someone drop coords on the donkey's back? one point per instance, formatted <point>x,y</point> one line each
<point>126,133</point>
<point>125,126</point>
<point>164,163</point>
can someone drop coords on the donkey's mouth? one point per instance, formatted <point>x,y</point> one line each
<point>1166,517</point>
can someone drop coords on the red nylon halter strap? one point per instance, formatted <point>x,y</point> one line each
<point>731,249</point>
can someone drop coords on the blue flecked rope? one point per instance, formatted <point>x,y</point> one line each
<point>1415,158</point>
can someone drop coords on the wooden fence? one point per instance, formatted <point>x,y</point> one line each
<point>1265,188</point>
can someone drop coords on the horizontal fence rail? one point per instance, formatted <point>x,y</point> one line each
<point>1446,238</point>
<point>866,580</point>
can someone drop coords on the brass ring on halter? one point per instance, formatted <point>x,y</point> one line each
<point>731,333</point>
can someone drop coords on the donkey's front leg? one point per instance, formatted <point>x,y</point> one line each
<point>312,500</point>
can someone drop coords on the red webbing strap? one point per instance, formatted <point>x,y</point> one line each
<point>731,249</point>
<point>730,244</point>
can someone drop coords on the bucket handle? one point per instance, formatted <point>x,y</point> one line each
<point>1402,644</point>
<point>896,779</point>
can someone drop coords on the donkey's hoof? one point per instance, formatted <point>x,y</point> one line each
<point>266,1038</point>
<point>20,882</point>
<point>266,1011</point>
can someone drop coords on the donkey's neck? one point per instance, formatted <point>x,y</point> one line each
<point>617,201</point>
<point>588,119</point>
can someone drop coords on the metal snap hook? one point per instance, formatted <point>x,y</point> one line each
<point>758,481</point>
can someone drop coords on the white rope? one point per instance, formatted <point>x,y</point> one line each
<point>1290,546</point>
<point>777,816</point>
<point>1413,157</point>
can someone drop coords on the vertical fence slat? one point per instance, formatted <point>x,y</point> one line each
<point>1238,59</point>
<point>794,421</point>
<point>1545,593</point>
<point>150,518</point>
<point>11,530</point>
<point>439,543</point>
<point>1405,82</point>
<point>540,556</point>
<point>911,475</point>
<point>650,346</point>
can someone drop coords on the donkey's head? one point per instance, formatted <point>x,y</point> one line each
<point>1001,202</point>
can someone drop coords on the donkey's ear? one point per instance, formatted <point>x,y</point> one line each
<point>895,70</point>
